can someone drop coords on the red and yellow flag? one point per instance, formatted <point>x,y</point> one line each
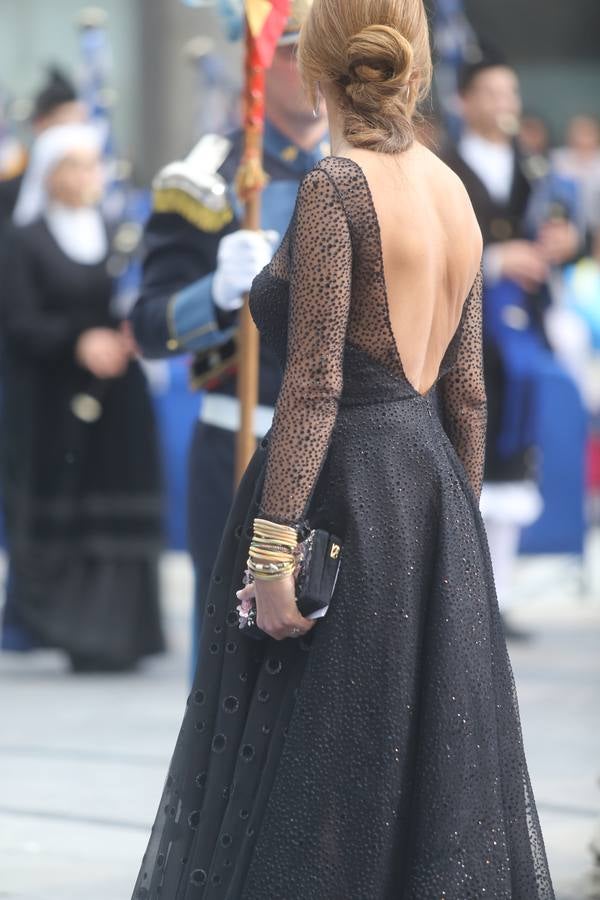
<point>267,20</point>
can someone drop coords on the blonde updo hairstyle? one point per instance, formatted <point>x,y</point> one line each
<point>376,54</point>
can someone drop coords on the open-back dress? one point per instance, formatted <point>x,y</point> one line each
<point>379,757</point>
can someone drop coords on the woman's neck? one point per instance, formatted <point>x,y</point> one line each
<point>339,143</point>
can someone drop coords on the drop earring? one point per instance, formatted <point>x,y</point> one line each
<point>317,108</point>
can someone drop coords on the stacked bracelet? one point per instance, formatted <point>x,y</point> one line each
<point>272,551</point>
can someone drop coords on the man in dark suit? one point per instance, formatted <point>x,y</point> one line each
<point>520,249</point>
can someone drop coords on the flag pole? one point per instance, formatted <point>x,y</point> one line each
<point>250,182</point>
<point>265,22</point>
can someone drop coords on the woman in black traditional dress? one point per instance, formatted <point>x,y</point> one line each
<point>376,754</point>
<point>79,454</point>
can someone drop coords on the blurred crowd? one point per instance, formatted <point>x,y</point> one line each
<point>80,466</point>
<point>82,492</point>
<point>539,210</point>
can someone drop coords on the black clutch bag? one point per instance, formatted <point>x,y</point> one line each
<point>320,555</point>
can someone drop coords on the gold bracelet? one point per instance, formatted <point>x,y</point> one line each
<point>273,541</point>
<point>269,554</point>
<point>271,530</point>
<point>269,566</point>
<point>272,565</point>
<point>273,548</point>
<point>259,576</point>
<point>272,551</point>
<point>284,567</point>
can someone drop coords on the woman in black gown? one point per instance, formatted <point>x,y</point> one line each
<point>79,455</point>
<point>376,754</point>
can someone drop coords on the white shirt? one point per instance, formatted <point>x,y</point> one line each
<point>494,164</point>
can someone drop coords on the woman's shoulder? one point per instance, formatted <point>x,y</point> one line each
<point>451,198</point>
<point>326,182</point>
<point>333,186</point>
<point>340,171</point>
<point>443,176</point>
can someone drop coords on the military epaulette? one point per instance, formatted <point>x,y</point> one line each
<point>193,187</point>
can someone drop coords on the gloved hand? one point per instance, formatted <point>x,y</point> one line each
<point>241,256</point>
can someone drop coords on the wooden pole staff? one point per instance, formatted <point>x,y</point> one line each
<point>264,24</point>
<point>250,182</point>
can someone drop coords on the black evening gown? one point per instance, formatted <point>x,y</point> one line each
<point>380,757</point>
<point>80,466</point>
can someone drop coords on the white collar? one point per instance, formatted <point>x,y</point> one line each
<point>80,233</point>
<point>492,163</point>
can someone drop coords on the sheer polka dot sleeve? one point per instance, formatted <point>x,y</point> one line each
<point>463,392</point>
<point>320,291</point>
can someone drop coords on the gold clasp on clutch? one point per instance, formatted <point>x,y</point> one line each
<point>335,551</point>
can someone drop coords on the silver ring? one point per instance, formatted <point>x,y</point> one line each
<point>295,630</point>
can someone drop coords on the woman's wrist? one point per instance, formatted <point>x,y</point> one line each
<point>272,553</point>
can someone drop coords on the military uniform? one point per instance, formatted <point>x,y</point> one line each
<point>194,208</point>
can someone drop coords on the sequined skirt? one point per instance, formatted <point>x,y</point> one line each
<point>380,757</point>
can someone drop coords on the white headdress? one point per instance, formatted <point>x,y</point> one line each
<point>48,150</point>
<point>79,232</point>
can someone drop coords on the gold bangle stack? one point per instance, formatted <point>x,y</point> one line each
<point>272,551</point>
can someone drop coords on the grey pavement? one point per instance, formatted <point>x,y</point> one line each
<point>83,759</point>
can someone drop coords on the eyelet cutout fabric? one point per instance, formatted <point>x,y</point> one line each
<point>380,757</point>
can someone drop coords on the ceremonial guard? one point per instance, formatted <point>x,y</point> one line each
<point>198,265</point>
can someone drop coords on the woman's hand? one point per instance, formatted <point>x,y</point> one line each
<point>103,352</point>
<point>276,609</point>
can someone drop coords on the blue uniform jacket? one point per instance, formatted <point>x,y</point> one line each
<point>175,312</point>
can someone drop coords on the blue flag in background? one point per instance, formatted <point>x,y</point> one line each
<point>455,43</point>
<point>230,12</point>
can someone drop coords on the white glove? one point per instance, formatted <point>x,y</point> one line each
<point>241,256</point>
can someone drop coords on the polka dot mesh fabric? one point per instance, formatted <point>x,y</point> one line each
<point>338,295</point>
<point>381,756</point>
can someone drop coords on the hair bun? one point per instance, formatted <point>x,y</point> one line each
<point>378,55</point>
<point>375,57</point>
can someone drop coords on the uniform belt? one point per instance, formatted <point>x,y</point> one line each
<point>222,411</point>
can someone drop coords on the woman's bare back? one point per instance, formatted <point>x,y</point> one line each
<point>431,247</point>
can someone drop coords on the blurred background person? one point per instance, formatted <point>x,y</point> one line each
<point>200,262</point>
<point>79,455</point>
<point>55,104</point>
<point>13,158</point>
<point>534,137</point>
<point>580,159</point>
<point>519,258</point>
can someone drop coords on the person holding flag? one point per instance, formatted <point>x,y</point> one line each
<point>200,261</point>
